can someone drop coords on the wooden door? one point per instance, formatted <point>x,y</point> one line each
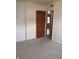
<point>40,23</point>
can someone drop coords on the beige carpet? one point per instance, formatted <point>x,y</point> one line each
<point>38,49</point>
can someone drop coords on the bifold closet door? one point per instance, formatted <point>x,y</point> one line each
<point>20,21</point>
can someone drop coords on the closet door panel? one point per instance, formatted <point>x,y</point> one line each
<point>20,21</point>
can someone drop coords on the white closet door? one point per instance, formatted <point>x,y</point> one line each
<point>20,21</point>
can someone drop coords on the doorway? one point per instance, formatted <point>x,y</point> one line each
<point>49,24</point>
<point>40,23</point>
<point>44,24</point>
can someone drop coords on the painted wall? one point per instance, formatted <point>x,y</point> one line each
<point>57,23</point>
<point>31,18</point>
<point>30,14</point>
<point>20,22</point>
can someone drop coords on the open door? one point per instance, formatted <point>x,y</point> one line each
<point>40,23</point>
<point>49,24</point>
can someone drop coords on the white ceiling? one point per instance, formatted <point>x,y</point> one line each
<point>42,2</point>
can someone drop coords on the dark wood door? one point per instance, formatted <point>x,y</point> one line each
<point>40,23</point>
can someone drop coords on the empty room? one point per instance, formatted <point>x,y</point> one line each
<point>38,29</point>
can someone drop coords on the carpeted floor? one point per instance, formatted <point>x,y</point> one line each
<point>38,49</point>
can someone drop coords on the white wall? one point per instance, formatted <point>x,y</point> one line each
<point>30,26</point>
<point>31,21</point>
<point>31,18</point>
<point>57,23</point>
<point>20,21</point>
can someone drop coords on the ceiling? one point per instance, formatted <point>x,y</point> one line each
<point>42,2</point>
